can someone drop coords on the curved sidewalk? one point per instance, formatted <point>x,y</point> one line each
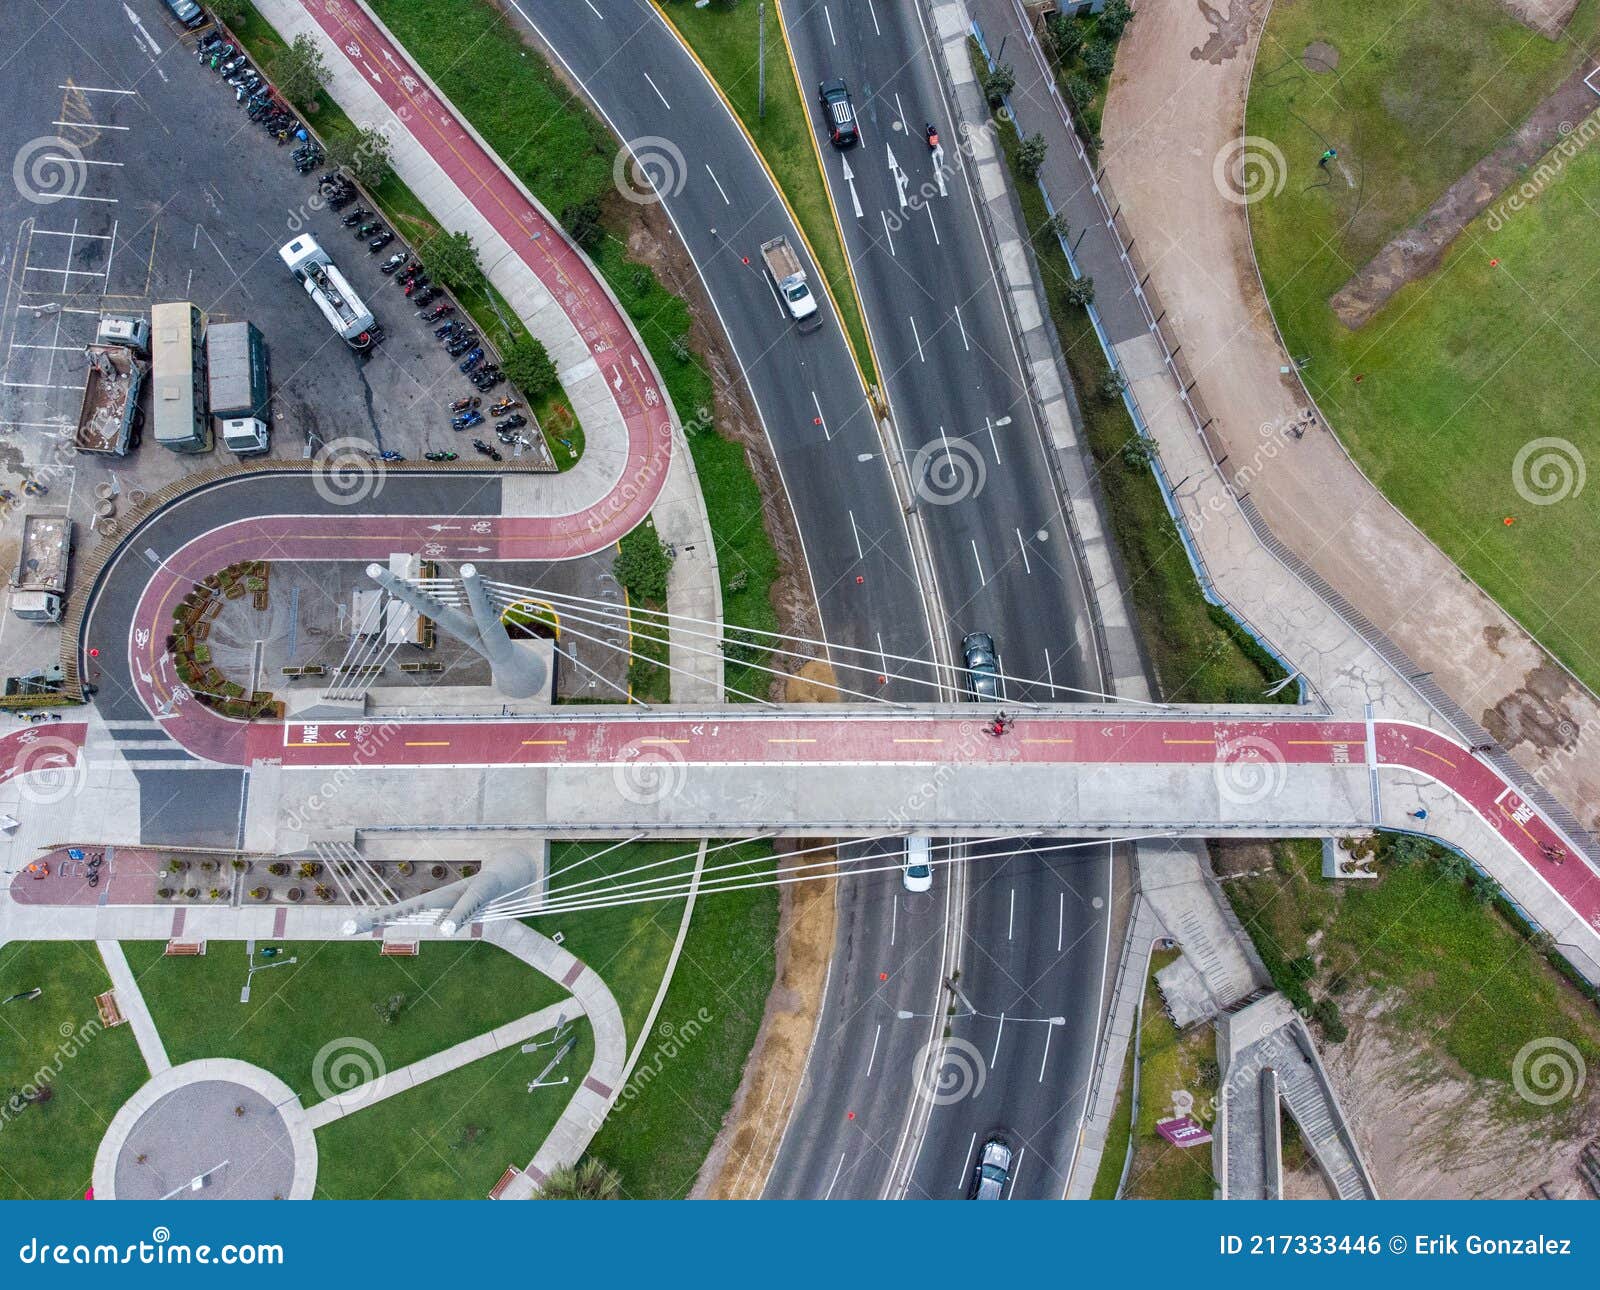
<point>636,459</point>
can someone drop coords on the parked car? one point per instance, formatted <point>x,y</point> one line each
<point>983,671</point>
<point>839,113</point>
<point>917,872</point>
<point>992,1172</point>
<point>187,12</point>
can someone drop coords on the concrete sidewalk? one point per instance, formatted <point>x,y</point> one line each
<point>599,477</point>
<point>130,1002</point>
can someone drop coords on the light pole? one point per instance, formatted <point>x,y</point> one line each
<point>250,954</point>
<point>198,1182</point>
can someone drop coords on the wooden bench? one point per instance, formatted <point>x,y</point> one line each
<point>510,1176</point>
<point>180,949</point>
<point>110,1014</point>
<point>400,949</point>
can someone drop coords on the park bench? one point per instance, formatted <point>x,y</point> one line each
<point>400,949</point>
<point>110,1014</point>
<point>510,1176</point>
<point>180,949</point>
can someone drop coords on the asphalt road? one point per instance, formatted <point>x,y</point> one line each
<point>1035,927</point>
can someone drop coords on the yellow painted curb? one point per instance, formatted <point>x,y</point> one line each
<point>783,196</point>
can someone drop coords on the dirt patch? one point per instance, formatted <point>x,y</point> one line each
<point>1537,712</point>
<point>1228,30</point>
<point>1417,251</point>
<point>1320,57</point>
<point>1547,17</point>
<point>1432,1132</point>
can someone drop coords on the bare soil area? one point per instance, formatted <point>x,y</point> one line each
<point>1547,17</point>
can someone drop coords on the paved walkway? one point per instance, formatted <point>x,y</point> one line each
<point>635,460</point>
<point>130,1002</point>
<point>440,1063</point>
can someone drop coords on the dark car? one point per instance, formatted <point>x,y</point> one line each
<point>187,12</point>
<point>840,114</point>
<point>992,1172</point>
<point>983,670</point>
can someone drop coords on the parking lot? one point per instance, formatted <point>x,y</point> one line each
<point>139,180</point>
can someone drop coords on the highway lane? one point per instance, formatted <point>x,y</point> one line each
<point>850,522</point>
<point>1001,546</point>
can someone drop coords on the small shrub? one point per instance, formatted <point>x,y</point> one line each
<point>999,82</point>
<point>1030,156</point>
<point>1079,292</point>
<point>582,222</point>
<point>278,869</point>
<point>642,565</point>
<point>1098,58</point>
<point>1326,1014</point>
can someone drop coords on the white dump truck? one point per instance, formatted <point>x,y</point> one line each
<point>39,583</point>
<point>789,280</point>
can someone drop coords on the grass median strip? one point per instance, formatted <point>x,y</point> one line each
<point>725,40</point>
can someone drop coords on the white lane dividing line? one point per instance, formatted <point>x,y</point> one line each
<point>966,1165</point>
<point>595,11</point>
<point>81,197</point>
<point>1050,679</point>
<point>1011,918</point>
<point>994,443</point>
<point>29,385</point>
<point>829,17</point>
<point>983,579</point>
<point>821,420</point>
<point>965,344</point>
<point>1049,1029</point>
<point>872,9</point>
<point>933,226</point>
<point>94,89</point>
<point>1023,547</point>
<point>876,1035</point>
<point>883,665</point>
<point>835,1181</point>
<point>856,533</point>
<point>93,125</point>
<point>1061,917</point>
<point>888,234</point>
<point>915,335</point>
<point>718,183</point>
<point>894,920</point>
<point>1018,1170</point>
<point>657,89</point>
<point>899,111</point>
<point>994,1057</point>
<point>88,161</point>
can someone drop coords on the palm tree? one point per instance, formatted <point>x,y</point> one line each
<point>589,1179</point>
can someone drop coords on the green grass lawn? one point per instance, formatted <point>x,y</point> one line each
<point>1200,655</point>
<point>669,1114</point>
<point>1459,979</point>
<point>451,1138</point>
<point>453,992</point>
<point>1169,1062</point>
<point>1460,371</point>
<point>47,1148</point>
<point>726,40</point>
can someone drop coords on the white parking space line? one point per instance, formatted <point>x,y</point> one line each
<point>82,197</point>
<point>93,125</point>
<point>34,385</point>
<point>657,89</point>
<point>95,89</point>
<point>17,344</point>
<point>876,1035</point>
<point>82,237</point>
<point>718,183</point>
<point>82,273</point>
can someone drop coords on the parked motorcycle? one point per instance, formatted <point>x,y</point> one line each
<point>492,453</point>
<point>438,311</point>
<point>438,456</point>
<point>512,423</point>
<point>392,263</point>
<point>378,243</point>
<point>505,405</point>
<point>389,454</point>
<point>368,229</point>
<point>465,403</point>
<point>466,420</point>
<point>486,382</point>
<point>415,283</point>
<point>425,297</point>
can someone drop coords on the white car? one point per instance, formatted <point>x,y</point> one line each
<point>917,872</point>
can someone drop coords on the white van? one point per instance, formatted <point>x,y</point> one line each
<point>917,873</point>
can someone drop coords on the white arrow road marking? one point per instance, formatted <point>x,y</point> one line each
<point>850,180</point>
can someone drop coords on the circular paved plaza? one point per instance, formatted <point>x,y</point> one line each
<point>235,1126</point>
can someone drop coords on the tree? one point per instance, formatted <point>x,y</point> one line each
<point>1080,292</point>
<point>364,155</point>
<point>1058,225</point>
<point>1030,156</point>
<point>527,366</point>
<point>229,11</point>
<point>582,222</point>
<point>642,565</point>
<point>451,258</point>
<point>1114,19</point>
<point>1098,58</point>
<point>1067,36</point>
<point>302,71</point>
<point>999,82</point>
<point>589,1179</point>
<point>1081,90</point>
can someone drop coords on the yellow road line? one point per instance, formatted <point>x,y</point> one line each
<point>1295,743</point>
<point>663,741</point>
<point>1165,740</point>
<point>919,741</point>
<point>542,742</point>
<point>1434,755</point>
<point>1047,741</point>
<point>427,743</point>
<point>791,741</point>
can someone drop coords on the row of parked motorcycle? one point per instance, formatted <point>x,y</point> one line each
<point>252,90</point>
